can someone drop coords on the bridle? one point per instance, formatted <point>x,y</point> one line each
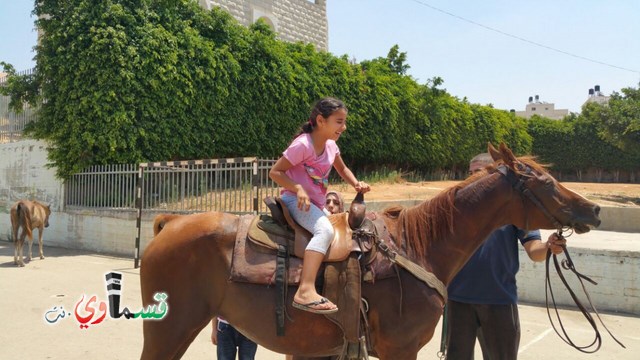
<point>518,182</point>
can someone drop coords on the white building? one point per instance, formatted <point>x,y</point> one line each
<point>292,20</point>
<point>596,96</point>
<point>541,108</point>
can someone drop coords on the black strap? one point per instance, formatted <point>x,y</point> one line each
<point>442,354</point>
<point>568,265</point>
<point>281,287</point>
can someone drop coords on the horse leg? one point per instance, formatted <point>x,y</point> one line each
<point>169,338</point>
<point>40,230</point>
<point>187,315</point>
<point>14,233</point>
<point>189,265</point>
<point>30,245</point>
<point>19,244</point>
<point>15,247</point>
<point>189,307</point>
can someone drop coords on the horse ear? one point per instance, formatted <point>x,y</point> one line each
<point>507,155</point>
<point>495,154</point>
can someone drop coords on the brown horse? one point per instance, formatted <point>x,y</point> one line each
<point>28,215</point>
<point>190,261</point>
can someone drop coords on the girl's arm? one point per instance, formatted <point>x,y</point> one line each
<point>348,176</point>
<point>278,174</point>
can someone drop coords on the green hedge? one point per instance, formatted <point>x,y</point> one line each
<point>142,80</point>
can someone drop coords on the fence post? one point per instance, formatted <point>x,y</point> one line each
<point>254,186</point>
<point>139,189</point>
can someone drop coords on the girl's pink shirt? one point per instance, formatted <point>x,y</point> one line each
<point>310,170</point>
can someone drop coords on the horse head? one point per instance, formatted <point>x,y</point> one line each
<point>47,212</point>
<point>547,203</point>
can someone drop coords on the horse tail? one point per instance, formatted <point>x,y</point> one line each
<point>24,219</point>
<point>161,221</point>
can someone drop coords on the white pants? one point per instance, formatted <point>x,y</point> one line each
<point>315,221</point>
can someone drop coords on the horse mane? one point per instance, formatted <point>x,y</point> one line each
<point>432,220</point>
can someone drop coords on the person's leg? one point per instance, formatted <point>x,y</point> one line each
<point>246,348</point>
<point>500,331</point>
<point>226,348</point>
<point>316,222</point>
<point>462,325</point>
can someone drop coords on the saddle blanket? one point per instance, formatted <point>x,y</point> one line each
<point>255,264</point>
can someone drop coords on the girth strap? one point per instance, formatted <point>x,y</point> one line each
<point>281,287</point>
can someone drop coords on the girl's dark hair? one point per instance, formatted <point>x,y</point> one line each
<point>324,107</point>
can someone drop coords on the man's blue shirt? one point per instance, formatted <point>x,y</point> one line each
<point>490,275</point>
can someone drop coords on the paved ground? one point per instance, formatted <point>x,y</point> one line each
<point>62,278</point>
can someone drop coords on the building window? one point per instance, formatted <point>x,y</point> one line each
<point>533,109</point>
<point>268,22</point>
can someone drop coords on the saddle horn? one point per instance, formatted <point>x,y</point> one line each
<point>357,211</point>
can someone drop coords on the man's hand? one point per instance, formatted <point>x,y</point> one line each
<point>555,243</point>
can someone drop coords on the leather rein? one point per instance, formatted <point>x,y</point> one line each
<point>518,181</point>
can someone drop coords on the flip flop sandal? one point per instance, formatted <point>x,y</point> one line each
<point>309,307</point>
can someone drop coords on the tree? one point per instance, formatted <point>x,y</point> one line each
<point>125,81</point>
<point>619,119</point>
<point>397,60</point>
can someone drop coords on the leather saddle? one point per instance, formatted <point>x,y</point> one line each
<point>281,236</point>
<point>281,229</point>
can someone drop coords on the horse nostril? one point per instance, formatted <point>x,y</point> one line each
<point>596,209</point>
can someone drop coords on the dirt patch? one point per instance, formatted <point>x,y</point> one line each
<point>607,194</point>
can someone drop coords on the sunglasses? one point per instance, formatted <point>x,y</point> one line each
<point>332,201</point>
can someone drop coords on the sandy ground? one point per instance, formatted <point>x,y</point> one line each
<point>608,194</point>
<point>65,276</point>
<point>61,280</point>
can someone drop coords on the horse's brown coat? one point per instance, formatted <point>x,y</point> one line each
<point>27,215</point>
<point>190,261</point>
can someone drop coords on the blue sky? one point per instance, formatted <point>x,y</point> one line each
<point>489,67</point>
<point>480,64</point>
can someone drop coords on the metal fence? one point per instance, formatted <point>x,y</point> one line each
<point>12,124</point>
<point>109,187</point>
<point>231,185</point>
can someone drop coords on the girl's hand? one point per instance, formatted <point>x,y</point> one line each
<point>362,187</point>
<point>304,203</point>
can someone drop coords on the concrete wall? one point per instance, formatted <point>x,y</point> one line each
<point>620,219</point>
<point>86,230</point>
<point>24,175</point>
<point>616,272</point>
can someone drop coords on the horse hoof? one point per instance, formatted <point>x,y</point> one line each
<point>21,265</point>
<point>41,257</point>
